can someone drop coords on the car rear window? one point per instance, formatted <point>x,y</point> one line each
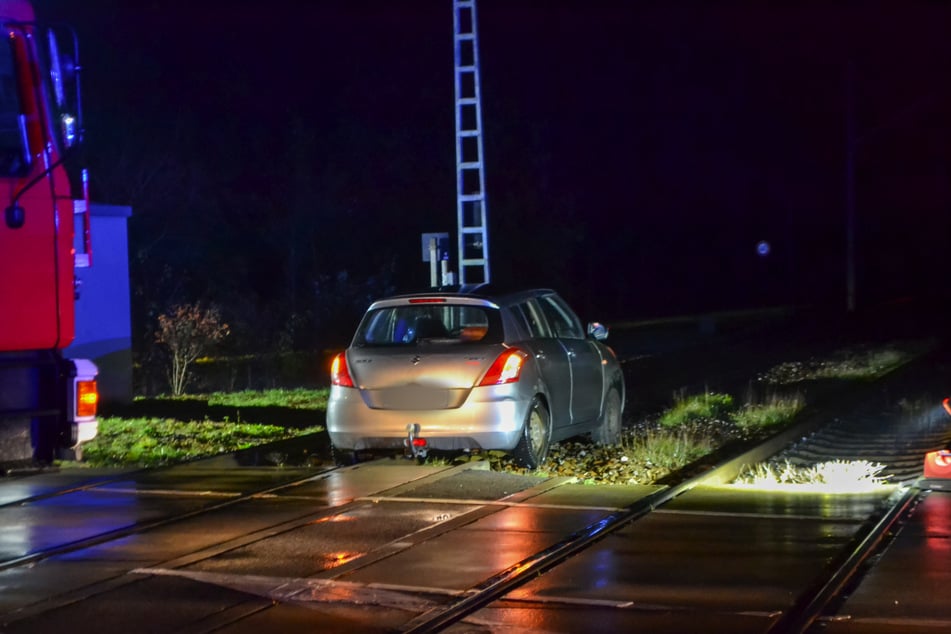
<point>443,323</point>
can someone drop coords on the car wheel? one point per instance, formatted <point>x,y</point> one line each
<point>609,431</point>
<point>532,448</point>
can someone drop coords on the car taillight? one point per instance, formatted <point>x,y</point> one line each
<point>339,374</point>
<point>505,369</point>
<point>87,398</point>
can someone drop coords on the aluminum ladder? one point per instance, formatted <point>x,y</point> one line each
<point>473,230</point>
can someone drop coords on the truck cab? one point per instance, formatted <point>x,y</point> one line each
<point>47,402</point>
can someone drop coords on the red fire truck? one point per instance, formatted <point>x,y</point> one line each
<point>47,402</point>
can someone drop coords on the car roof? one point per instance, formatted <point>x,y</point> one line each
<point>477,294</point>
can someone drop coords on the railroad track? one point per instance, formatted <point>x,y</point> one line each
<point>440,609</point>
<point>219,501</point>
<point>830,584</point>
<point>829,436</point>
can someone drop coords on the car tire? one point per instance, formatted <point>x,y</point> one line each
<point>609,431</point>
<point>532,448</point>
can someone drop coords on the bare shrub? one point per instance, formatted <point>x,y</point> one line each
<point>188,331</point>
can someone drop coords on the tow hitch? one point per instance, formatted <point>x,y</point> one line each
<point>413,445</point>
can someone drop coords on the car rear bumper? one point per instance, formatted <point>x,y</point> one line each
<point>494,423</point>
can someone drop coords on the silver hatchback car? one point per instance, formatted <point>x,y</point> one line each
<point>470,370</point>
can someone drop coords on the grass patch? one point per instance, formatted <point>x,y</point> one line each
<point>775,412</point>
<point>146,442</point>
<point>182,434</point>
<point>667,449</point>
<point>298,398</point>
<point>855,363</point>
<point>863,364</point>
<point>695,409</point>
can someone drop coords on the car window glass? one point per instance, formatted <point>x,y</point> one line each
<point>537,326</point>
<point>409,325</point>
<point>562,320</point>
<point>518,313</point>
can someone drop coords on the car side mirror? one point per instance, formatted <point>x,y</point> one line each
<point>597,330</point>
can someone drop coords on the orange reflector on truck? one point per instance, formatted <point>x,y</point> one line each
<point>87,398</point>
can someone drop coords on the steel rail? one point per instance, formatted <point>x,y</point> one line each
<point>817,597</point>
<point>87,485</point>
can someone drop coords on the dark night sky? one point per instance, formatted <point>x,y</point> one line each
<point>636,152</point>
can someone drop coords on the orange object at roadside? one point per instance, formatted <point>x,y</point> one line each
<point>938,464</point>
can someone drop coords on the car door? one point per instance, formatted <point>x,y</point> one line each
<point>552,360</point>
<point>584,358</point>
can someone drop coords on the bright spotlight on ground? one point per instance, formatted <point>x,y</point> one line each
<point>837,476</point>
